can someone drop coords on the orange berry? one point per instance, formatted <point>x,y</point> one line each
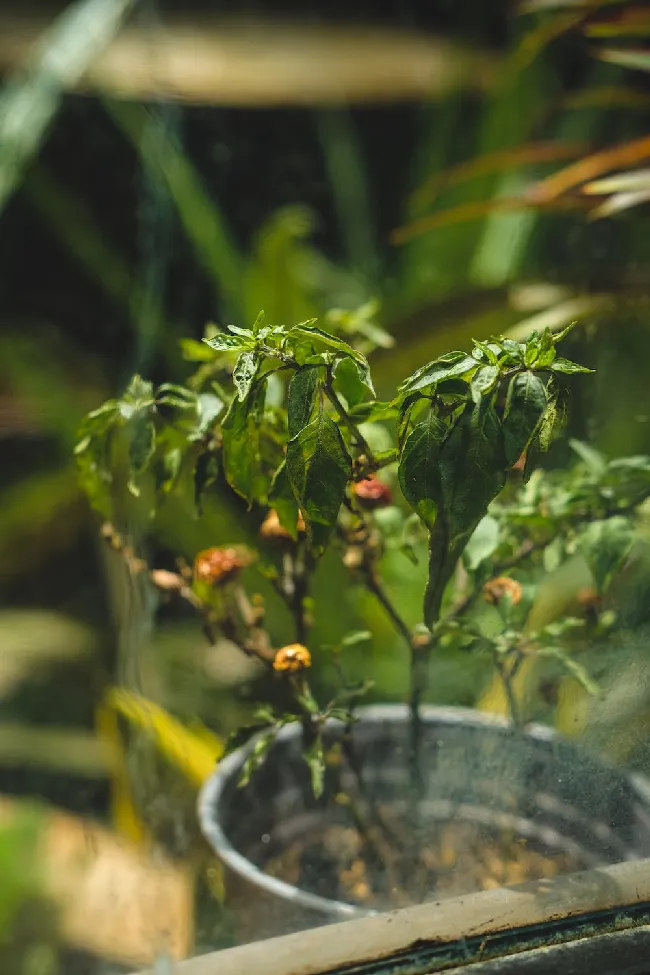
<point>292,659</point>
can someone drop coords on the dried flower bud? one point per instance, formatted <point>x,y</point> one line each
<point>353,558</point>
<point>273,529</point>
<point>496,589</point>
<point>218,565</point>
<point>521,463</point>
<point>292,659</point>
<point>372,493</point>
<point>167,581</point>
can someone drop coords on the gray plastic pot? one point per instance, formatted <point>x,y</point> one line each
<point>534,784</point>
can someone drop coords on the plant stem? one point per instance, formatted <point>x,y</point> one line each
<point>362,443</point>
<point>506,677</point>
<point>374,586</point>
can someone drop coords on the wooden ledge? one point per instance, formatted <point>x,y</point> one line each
<point>474,918</point>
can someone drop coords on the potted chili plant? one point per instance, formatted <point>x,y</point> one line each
<point>335,809</point>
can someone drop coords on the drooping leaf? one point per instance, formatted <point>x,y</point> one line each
<point>418,467</point>
<point>245,371</point>
<point>605,545</point>
<point>242,459</point>
<point>319,468</point>
<point>526,403</point>
<point>303,389</point>
<point>315,758</point>
<point>282,499</point>
<point>452,365</point>
<point>567,367</point>
<point>472,468</point>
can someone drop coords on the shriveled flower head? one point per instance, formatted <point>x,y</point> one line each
<point>372,493</point>
<point>499,587</point>
<point>292,659</point>
<point>218,565</point>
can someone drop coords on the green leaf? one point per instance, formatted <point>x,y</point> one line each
<point>244,333</point>
<point>486,352</point>
<point>138,397</point>
<point>142,445</point>
<point>170,394</point>
<point>357,636</point>
<point>562,334</point>
<point>572,667</point>
<point>209,408</point>
<point>205,474</point>
<point>483,381</point>
<point>372,412</point>
<point>96,425</point>
<point>339,345</point>
<point>244,372</point>
<point>526,404</point>
<point>242,456</point>
<point>256,757</point>
<point>472,468</point>
<point>315,758</point>
<point>303,389</point>
<point>349,382</point>
<point>594,460</point>
<point>171,465</point>
<point>225,343</point>
<point>532,349</point>
<point>418,467</point>
<point>546,354</point>
<point>567,367</point>
<point>453,365</point>
<point>483,542</point>
<point>258,323</point>
<point>605,546</point>
<point>282,499</point>
<point>319,468</point>
<point>193,351</point>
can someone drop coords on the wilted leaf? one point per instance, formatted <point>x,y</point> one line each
<point>209,407</point>
<point>256,757</point>
<point>526,404</point>
<point>418,467</point>
<point>303,389</point>
<point>319,468</point>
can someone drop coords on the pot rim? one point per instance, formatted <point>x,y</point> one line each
<point>212,790</point>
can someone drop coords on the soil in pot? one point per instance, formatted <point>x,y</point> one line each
<point>453,857</point>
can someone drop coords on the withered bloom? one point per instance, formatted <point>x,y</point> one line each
<point>292,659</point>
<point>495,590</point>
